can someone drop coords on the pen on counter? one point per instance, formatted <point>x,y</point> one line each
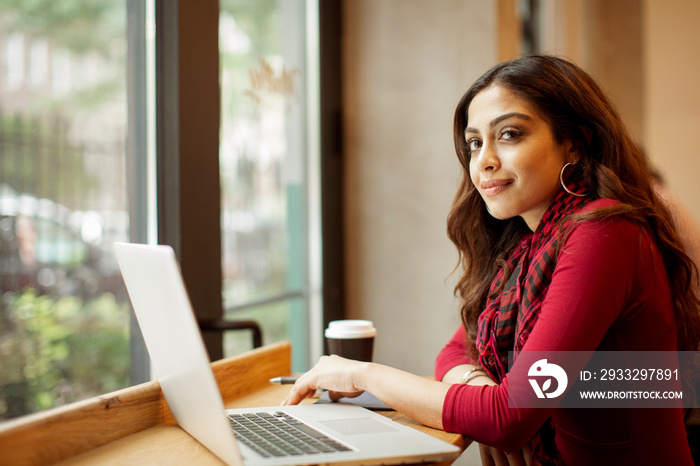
<point>283,380</point>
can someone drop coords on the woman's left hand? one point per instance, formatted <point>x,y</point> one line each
<point>341,377</point>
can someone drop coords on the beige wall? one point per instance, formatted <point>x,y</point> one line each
<point>605,38</point>
<point>672,95</point>
<point>406,64</point>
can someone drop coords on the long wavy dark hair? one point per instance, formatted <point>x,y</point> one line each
<point>611,165</point>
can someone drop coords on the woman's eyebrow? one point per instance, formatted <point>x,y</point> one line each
<point>499,119</point>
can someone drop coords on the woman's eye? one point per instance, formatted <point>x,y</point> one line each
<point>473,144</point>
<point>511,133</point>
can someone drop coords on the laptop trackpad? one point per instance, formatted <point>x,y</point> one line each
<point>365,425</point>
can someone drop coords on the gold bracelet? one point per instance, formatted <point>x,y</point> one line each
<point>472,374</point>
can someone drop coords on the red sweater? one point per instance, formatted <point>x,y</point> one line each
<point>609,292</point>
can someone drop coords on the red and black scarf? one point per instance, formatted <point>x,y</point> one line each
<point>516,295</point>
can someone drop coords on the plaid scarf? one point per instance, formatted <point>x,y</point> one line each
<point>515,300</point>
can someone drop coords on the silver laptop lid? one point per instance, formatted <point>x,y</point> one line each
<point>155,285</point>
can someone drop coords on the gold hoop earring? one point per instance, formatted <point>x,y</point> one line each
<point>561,180</point>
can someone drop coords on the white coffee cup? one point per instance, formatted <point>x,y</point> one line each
<point>351,338</point>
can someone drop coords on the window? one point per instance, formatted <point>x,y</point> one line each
<point>107,134</point>
<point>265,159</point>
<point>67,152</point>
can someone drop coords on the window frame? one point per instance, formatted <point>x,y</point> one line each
<point>187,140</point>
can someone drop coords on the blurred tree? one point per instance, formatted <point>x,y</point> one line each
<point>80,26</point>
<point>37,158</point>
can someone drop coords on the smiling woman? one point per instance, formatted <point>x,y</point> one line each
<point>514,160</point>
<point>554,286</point>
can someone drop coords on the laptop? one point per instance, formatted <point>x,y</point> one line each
<point>334,433</point>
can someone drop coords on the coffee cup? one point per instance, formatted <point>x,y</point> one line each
<point>351,338</point>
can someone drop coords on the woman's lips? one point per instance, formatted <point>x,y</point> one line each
<point>493,187</point>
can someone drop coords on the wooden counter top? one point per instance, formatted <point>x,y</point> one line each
<point>134,425</point>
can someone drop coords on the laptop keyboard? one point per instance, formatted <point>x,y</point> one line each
<point>280,434</point>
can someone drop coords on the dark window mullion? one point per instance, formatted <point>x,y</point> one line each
<point>332,185</point>
<point>187,89</point>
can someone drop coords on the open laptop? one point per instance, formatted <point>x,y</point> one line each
<point>318,434</point>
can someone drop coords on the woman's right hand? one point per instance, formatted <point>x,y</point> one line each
<point>341,377</point>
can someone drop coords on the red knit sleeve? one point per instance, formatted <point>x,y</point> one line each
<point>453,354</point>
<point>597,272</point>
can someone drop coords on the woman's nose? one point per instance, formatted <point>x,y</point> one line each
<point>487,159</point>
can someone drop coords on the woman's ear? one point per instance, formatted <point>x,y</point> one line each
<point>578,145</point>
<point>574,155</point>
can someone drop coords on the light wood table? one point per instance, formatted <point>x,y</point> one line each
<point>134,425</point>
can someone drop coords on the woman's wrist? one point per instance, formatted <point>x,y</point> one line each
<point>364,375</point>
<point>456,373</point>
<point>472,373</point>
<point>481,379</point>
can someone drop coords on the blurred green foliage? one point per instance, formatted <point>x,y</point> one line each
<point>55,351</point>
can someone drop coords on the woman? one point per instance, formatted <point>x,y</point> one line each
<point>564,247</point>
